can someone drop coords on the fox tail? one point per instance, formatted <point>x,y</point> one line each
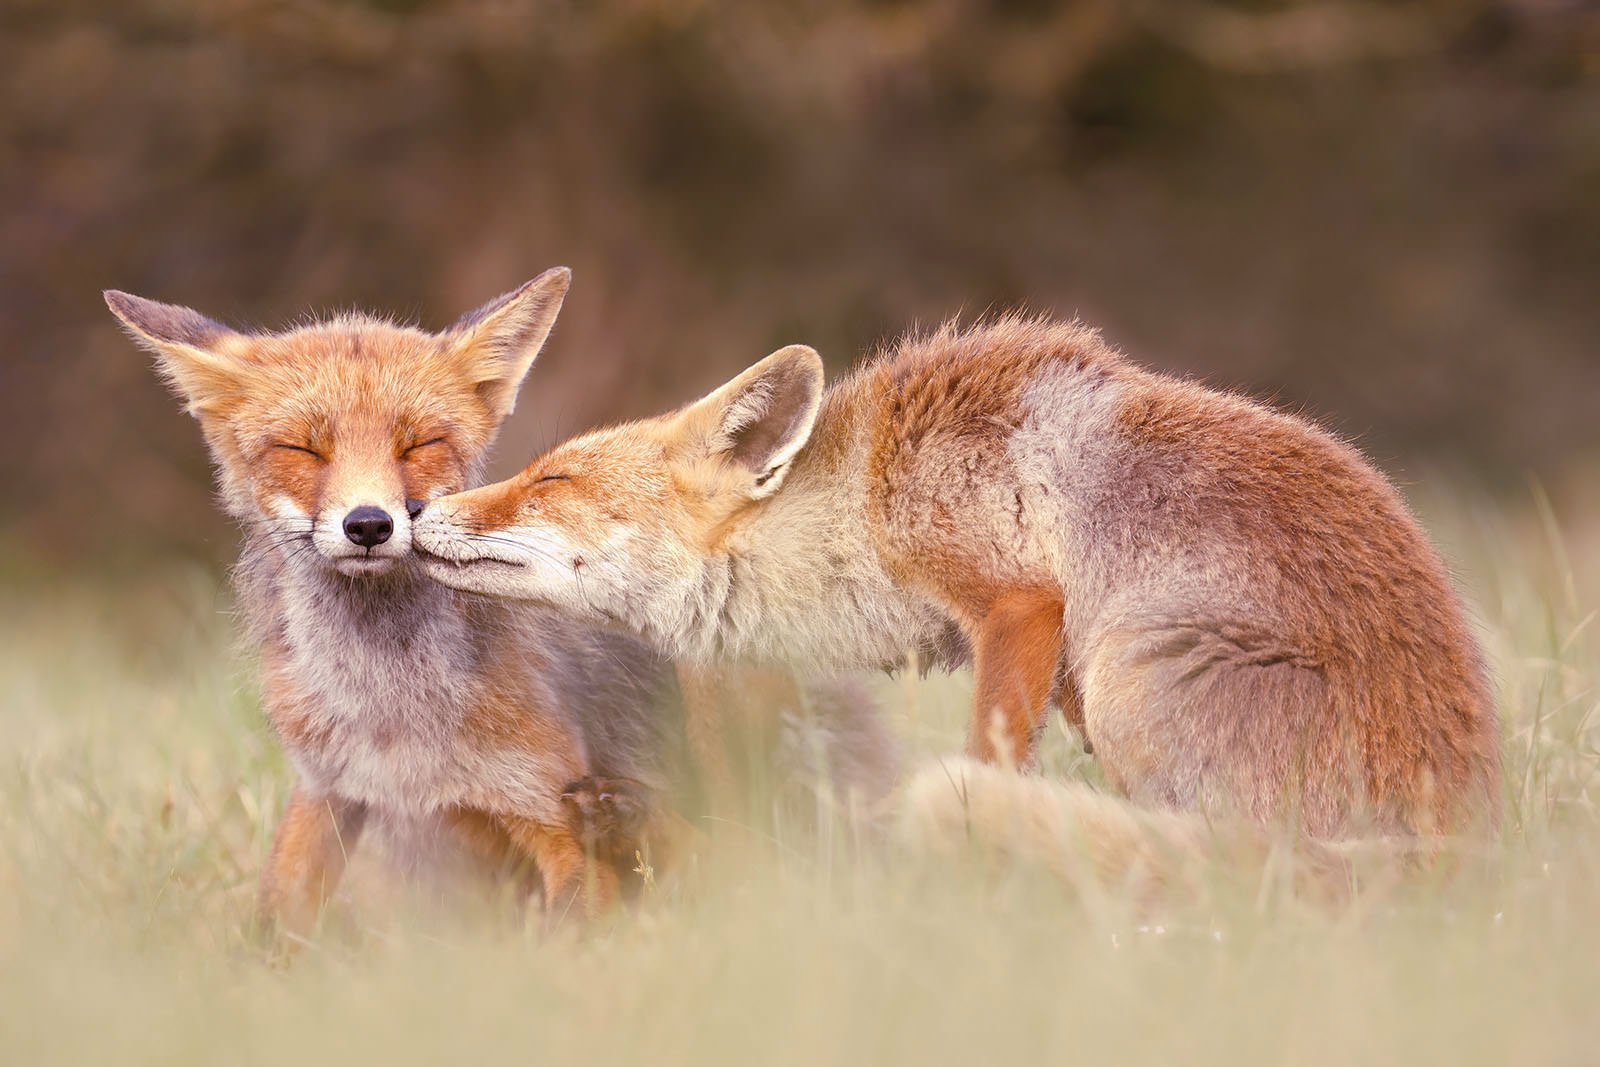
<point>1097,842</point>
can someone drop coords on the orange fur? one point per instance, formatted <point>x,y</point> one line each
<point>573,887</point>
<point>309,854</point>
<point>1016,653</point>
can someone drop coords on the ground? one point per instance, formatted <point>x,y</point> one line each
<point>139,787</point>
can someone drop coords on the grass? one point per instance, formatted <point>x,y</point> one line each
<point>139,788</point>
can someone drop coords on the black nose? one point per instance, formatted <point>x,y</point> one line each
<point>368,526</point>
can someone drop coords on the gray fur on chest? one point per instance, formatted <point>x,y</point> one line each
<point>388,677</point>
<point>386,673</point>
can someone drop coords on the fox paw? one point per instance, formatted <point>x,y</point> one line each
<point>610,815</point>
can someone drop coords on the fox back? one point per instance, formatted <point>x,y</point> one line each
<point>1251,618</point>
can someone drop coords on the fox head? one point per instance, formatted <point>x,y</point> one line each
<point>622,524</point>
<point>329,438</point>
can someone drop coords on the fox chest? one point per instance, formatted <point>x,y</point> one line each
<point>385,747</point>
<point>379,701</point>
<point>415,750</point>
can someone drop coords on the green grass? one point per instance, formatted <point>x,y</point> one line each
<point>139,787</point>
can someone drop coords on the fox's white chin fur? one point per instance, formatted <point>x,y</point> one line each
<point>491,577</point>
<point>359,566</point>
<point>517,564</point>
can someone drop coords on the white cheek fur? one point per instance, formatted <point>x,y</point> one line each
<point>526,562</point>
<point>283,509</point>
<point>286,522</point>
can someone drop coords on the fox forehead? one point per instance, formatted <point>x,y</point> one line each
<point>608,474</point>
<point>617,450</point>
<point>339,379</point>
<point>350,358</point>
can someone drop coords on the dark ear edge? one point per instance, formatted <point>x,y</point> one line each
<point>499,341</point>
<point>191,350</point>
<point>551,286</point>
<point>159,324</point>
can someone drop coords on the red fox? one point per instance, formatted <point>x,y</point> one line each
<point>1237,611</point>
<point>503,734</point>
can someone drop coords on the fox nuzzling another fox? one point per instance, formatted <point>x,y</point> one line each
<point>1235,608</point>
<point>453,725</point>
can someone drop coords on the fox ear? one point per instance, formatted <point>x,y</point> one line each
<point>763,417</point>
<point>192,351</point>
<point>498,342</point>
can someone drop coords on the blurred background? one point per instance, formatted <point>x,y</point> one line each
<point>1386,215</point>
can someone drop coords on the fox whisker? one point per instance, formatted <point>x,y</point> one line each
<point>538,553</point>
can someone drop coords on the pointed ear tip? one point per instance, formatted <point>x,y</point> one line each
<point>803,355</point>
<point>556,277</point>
<point>125,306</point>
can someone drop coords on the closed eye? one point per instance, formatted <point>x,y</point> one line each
<point>422,444</point>
<point>302,448</point>
<point>555,478</point>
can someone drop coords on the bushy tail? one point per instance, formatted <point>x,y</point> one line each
<point>1098,842</point>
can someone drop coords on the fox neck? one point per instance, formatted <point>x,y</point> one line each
<point>358,642</point>
<point>799,580</point>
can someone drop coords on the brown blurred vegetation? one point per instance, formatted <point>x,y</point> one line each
<point>1387,214</point>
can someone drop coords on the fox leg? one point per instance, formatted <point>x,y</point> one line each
<point>1070,700</point>
<point>576,885</point>
<point>725,706</point>
<point>611,816</point>
<point>625,822</point>
<point>705,724</point>
<point>1017,648</point>
<point>313,844</point>
<point>485,841</point>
